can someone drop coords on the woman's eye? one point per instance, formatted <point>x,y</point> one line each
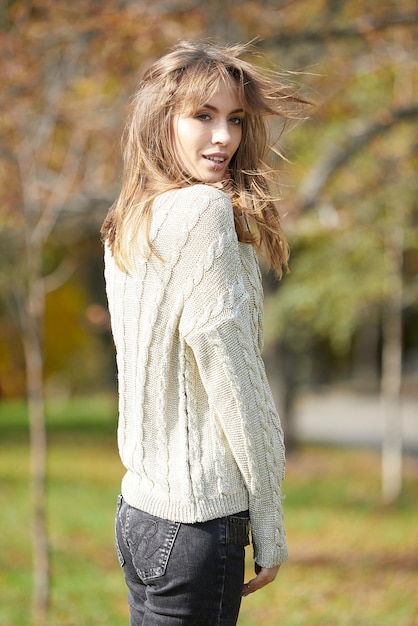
<point>238,121</point>
<point>204,117</point>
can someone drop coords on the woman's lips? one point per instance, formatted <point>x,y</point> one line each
<point>217,161</point>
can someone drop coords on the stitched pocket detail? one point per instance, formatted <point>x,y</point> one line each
<point>150,540</point>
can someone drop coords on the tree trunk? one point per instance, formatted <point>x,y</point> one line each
<point>36,409</point>
<point>31,317</point>
<point>392,369</point>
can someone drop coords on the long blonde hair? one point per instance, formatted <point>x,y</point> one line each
<point>180,82</point>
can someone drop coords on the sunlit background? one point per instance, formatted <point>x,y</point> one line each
<point>341,340</point>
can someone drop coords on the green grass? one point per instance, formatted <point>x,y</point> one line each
<point>352,561</point>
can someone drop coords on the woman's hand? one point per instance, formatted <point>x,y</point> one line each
<point>265,575</point>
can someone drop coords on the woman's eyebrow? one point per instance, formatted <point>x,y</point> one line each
<point>212,108</point>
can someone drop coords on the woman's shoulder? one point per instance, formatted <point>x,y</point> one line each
<point>200,194</point>
<point>198,208</point>
<point>200,199</point>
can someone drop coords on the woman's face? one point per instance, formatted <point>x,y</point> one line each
<point>206,141</point>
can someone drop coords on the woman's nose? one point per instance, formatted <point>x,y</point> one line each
<point>221,134</point>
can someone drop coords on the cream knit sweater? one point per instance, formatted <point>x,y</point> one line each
<point>198,431</point>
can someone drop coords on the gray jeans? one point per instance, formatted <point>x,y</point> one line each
<point>181,574</point>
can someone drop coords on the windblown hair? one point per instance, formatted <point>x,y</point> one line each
<point>179,83</point>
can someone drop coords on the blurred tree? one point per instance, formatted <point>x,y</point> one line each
<point>353,220</point>
<point>47,143</point>
<point>67,69</point>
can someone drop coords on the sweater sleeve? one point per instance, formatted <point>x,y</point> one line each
<point>217,325</point>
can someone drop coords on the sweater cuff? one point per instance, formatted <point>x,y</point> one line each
<point>268,534</point>
<point>266,558</point>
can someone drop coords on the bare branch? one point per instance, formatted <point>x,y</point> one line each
<point>320,175</point>
<point>63,187</point>
<point>360,28</point>
<point>59,277</point>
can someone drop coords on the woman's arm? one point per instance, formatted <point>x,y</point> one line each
<point>218,326</point>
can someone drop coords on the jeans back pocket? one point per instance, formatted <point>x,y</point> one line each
<point>150,541</point>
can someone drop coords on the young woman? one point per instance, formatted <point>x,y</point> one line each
<point>198,432</point>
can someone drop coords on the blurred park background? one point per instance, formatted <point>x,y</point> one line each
<point>341,328</point>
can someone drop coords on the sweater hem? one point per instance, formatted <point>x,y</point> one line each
<point>183,511</point>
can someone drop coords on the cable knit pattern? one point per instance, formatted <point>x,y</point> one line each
<point>198,431</point>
